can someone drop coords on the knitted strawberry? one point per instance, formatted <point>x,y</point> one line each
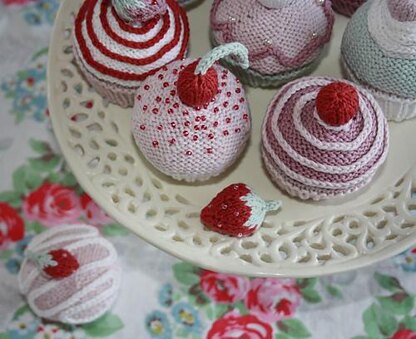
<point>191,119</point>
<point>237,211</point>
<point>57,264</point>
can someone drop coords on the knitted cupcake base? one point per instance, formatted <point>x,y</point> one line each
<point>113,93</point>
<point>394,108</point>
<point>255,79</point>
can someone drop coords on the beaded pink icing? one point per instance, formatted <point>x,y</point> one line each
<point>312,159</point>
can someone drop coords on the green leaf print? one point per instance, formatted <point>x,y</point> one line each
<point>388,283</point>
<point>310,295</point>
<point>334,291</point>
<point>40,147</point>
<point>281,336</point>
<point>104,326</point>
<point>409,322</point>
<point>11,197</point>
<point>112,230</point>
<point>6,254</point>
<point>398,303</point>
<point>19,180</point>
<point>241,307</point>
<point>21,310</point>
<point>4,336</point>
<point>186,273</point>
<point>45,164</point>
<point>378,322</point>
<point>34,227</point>
<point>294,328</point>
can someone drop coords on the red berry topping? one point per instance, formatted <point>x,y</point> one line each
<point>337,103</point>
<point>196,89</point>
<point>66,264</point>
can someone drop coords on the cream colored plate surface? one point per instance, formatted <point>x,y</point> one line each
<point>304,239</point>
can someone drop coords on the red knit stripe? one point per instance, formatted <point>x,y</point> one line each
<point>132,44</point>
<point>131,29</point>
<point>111,72</point>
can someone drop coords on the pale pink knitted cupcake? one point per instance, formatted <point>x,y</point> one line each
<point>191,120</point>
<point>323,138</point>
<point>70,274</point>
<point>118,43</point>
<point>284,37</point>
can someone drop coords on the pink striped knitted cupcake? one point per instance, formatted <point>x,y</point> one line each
<point>118,43</point>
<point>284,37</point>
<point>346,7</point>
<point>323,138</point>
<point>71,274</point>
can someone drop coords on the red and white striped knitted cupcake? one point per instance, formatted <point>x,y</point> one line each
<point>118,43</point>
<point>323,138</point>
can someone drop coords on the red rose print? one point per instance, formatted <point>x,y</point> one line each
<point>52,204</point>
<point>16,2</point>
<point>93,213</point>
<point>233,325</point>
<point>224,288</point>
<point>404,334</point>
<point>12,228</point>
<point>273,299</point>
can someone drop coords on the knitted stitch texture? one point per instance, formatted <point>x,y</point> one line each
<point>309,158</point>
<point>185,142</point>
<point>346,7</point>
<point>117,56</point>
<point>280,40</point>
<point>85,294</point>
<point>379,51</point>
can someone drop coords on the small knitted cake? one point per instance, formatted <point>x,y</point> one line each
<point>70,274</point>
<point>379,52</point>
<point>118,43</point>
<point>323,138</point>
<point>346,7</point>
<point>284,37</point>
<point>191,120</point>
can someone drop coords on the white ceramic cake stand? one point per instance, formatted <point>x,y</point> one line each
<point>303,239</point>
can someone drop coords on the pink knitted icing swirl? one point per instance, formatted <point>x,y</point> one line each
<point>312,160</point>
<point>278,39</point>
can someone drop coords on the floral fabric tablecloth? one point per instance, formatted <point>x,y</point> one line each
<point>161,297</point>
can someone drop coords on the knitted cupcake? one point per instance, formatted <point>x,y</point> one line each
<point>284,37</point>
<point>70,274</point>
<point>191,120</point>
<point>323,138</point>
<point>379,52</point>
<point>118,43</point>
<point>346,7</point>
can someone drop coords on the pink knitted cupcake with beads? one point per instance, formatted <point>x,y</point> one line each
<point>284,37</point>
<point>346,7</point>
<point>323,138</point>
<point>191,120</point>
<point>118,43</point>
<point>70,274</point>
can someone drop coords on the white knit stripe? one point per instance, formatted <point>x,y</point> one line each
<point>75,319</point>
<point>108,296</point>
<point>79,229</point>
<point>397,39</point>
<point>54,243</point>
<point>70,301</point>
<point>119,66</point>
<point>72,248</point>
<point>115,27</point>
<point>340,128</point>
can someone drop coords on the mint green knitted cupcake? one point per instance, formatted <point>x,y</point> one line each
<point>379,52</point>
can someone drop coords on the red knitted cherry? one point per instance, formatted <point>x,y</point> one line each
<point>196,89</point>
<point>67,264</point>
<point>337,103</point>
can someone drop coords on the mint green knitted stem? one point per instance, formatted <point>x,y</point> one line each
<point>220,52</point>
<point>41,260</point>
